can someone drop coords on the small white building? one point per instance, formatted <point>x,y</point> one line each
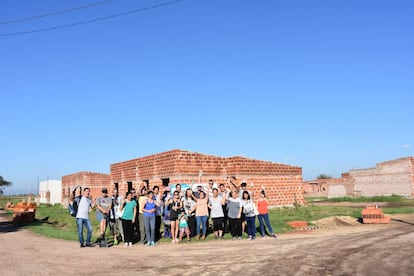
<point>50,191</point>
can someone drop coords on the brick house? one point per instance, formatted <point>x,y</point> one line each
<point>94,181</point>
<point>283,183</point>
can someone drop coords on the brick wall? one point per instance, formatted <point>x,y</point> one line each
<point>387,178</point>
<point>412,175</point>
<point>331,187</point>
<point>92,180</point>
<point>283,183</point>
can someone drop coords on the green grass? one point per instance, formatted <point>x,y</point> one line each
<point>55,221</point>
<point>392,198</point>
<point>279,216</point>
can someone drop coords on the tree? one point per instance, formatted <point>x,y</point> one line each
<point>324,176</point>
<point>4,183</point>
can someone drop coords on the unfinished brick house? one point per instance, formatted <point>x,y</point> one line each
<point>395,177</point>
<point>92,180</point>
<point>283,183</point>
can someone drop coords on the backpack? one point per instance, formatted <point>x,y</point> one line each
<point>73,206</point>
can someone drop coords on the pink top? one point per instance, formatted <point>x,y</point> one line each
<point>201,209</point>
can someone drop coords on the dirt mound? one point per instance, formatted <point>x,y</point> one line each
<point>336,221</point>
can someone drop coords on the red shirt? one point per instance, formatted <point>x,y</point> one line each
<point>262,207</point>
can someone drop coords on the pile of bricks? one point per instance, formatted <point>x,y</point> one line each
<point>373,214</point>
<point>24,212</point>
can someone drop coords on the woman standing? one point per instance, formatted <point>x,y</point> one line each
<point>262,207</point>
<point>215,204</point>
<point>175,204</point>
<point>190,207</point>
<point>128,218</point>
<point>249,212</point>
<point>201,215</point>
<point>234,214</point>
<point>149,208</point>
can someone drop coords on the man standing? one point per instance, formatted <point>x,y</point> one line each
<point>82,218</point>
<point>103,206</point>
<point>142,197</point>
<point>135,224</point>
<point>243,187</point>
<point>115,223</point>
<point>224,193</point>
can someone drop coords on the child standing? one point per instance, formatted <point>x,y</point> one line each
<point>183,226</point>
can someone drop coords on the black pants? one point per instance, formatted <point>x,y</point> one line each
<point>226,219</point>
<point>218,224</point>
<point>192,225</point>
<point>157,228</point>
<point>235,227</point>
<point>128,230</point>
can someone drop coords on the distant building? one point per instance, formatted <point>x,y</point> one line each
<point>50,191</point>
<point>92,180</point>
<point>394,177</point>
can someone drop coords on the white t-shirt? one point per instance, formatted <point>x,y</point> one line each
<point>83,208</point>
<point>216,207</point>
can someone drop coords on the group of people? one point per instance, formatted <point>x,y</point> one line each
<point>185,213</point>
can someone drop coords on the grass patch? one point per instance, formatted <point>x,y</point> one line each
<point>279,216</point>
<point>392,198</point>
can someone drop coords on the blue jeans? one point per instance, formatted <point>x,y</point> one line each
<point>262,220</point>
<point>201,220</point>
<point>80,222</point>
<point>251,226</point>
<point>149,223</point>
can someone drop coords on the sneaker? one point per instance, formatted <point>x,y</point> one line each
<point>89,245</point>
<point>82,245</point>
<point>234,238</point>
<point>130,244</point>
<point>126,244</point>
<point>240,238</point>
<point>273,236</point>
<point>152,243</point>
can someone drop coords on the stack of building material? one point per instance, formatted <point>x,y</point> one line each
<point>24,212</point>
<point>373,214</point>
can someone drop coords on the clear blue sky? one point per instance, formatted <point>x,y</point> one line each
<point>324,85</point>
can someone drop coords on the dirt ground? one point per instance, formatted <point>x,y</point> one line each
<point>334,249</point>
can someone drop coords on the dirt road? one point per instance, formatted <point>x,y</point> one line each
<point>352,250</point>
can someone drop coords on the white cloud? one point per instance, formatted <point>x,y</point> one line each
<point>406,146</point>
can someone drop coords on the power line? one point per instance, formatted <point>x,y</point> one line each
<point>94,20</point>
<point>54,13</point>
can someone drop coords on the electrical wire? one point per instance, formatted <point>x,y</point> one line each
<point>94,20</point>
<point>54,13</point>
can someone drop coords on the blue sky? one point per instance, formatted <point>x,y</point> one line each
<point>324,85</point>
